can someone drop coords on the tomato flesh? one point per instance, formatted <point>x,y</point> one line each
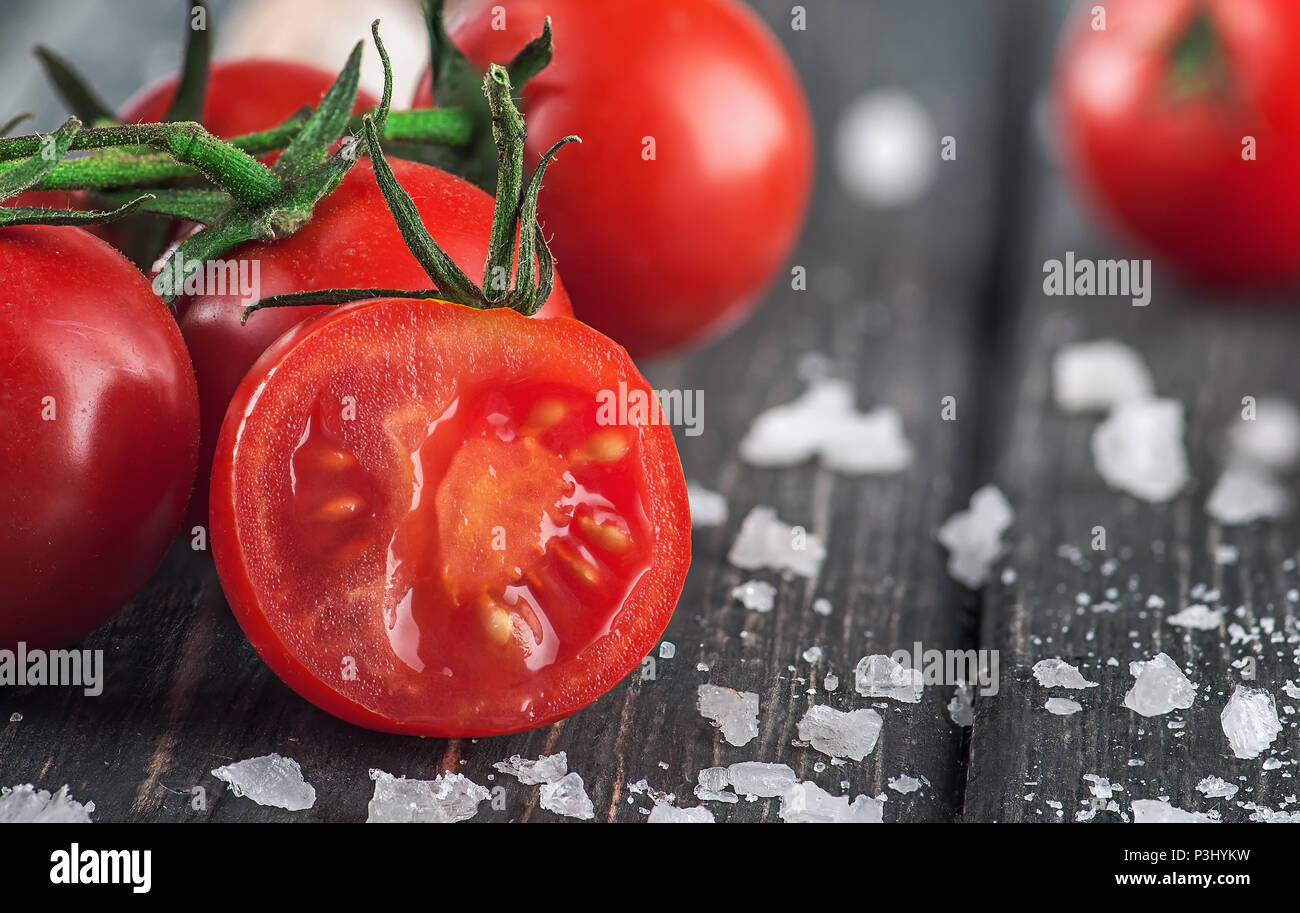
<point>436,535</point>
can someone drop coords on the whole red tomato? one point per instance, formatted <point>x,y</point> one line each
<point>245,96</point>
<point>100,412</point>
<point>350,242</point>
<point>424,525</point>
<point>1162,110</point>
<point>689,189</point>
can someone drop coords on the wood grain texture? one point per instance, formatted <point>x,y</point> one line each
<point>893,300</point>
<point>1208,354</point>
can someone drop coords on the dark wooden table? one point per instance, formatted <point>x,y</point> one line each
<point>941,298</point>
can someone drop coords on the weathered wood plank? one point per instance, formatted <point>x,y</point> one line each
<point>1209,354</point>
<point>894,299</point>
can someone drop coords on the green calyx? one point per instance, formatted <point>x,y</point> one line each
<point>524,288</point>
<point>1199,62</point>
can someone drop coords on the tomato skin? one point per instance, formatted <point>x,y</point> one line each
<point>350,242</point>
<point>92,498</point>
<point>664,253</point>
<point>1169,169</point>
<point>245,96</point>
<point>267,416</point>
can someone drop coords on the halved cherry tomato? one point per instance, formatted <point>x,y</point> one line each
<point>350,242</point>
<point>245,96</point>
<point>100,417</point>
<point>689,189</point>
<point>423,527</point>
<point>1180,121</point>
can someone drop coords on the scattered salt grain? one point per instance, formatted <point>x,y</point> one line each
<point>667,813</point>
<point>764,541</point>
<point>831,682</point>
<point>824,422</point>
<point>808,803</point>
<point>25,804</point>
<point>1246,493</point>
<point>755,595</point>
<point>708,508</point>
<point>1216,788</point>
<point>567,796</point>
<point>735,713</point>
<point>1272,438</point>
<point>713,786</point>
<point>1250,721</point>
<point>269,780</point>
<point>667,650</point>
<point>444,800</point>
<point>756,778</point>
<point>1160,687</point>
<point>885,148</point>
<point>904,784</point>
<point>546,769</point>
<point>1198,617</point>
<point>1139,449</point>
<point>1159,811</point>
<point>1062,706</point>
<point>961,708</point>
<point>812,655</point>
<point>822,606</point>
<point>973,537</point>
<point>840,734</point>
<point>1096,376</point>
<point>1057,673</point>
<point>881,676</point>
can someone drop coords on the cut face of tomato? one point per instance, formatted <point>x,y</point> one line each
<point>423,527</point>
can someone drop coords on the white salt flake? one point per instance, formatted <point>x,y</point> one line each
<point>546,769</point>
<point>885,148</point>
<point>708,508</point>
<point>713,785</point>
<point>812,655</point>
<point>567,796</point>
<point>1272,438</point>
<point>881,676</point>
<point>1139,449</point>
<point>1246,493</point>
<point>1096,376</point>
<point>667,650</point>
<point>755,595</point>
<point>269,780</point>
<point>444,800</point>
<point>831,682</point>
<point>973,537</point>
<point>1062,706</point>
<point>1159,811</point>
<point>1250,721</point>
<point>840,734</point>
<point>735,713</point>
<point>808,803</point>
<point>961,708</point>
<point>1216,788</point>
<point>764,541</point>
<point>1160,687</point>
<point>1057,673</point>
<point>1198,617</point>
<point>756,778</point>
<point>904,784</point>
<point>1099,786</point>
<point>1291,689</point>
<point>667,813</point>
<point>824,422</point>
<point>25,804</point>
<point>822,606</point>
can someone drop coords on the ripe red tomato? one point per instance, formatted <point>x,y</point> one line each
<point>100,412</point>
<point>423,526</point>
<point>663,251</point>
<point>245,96</point>
<point>350,242</point>
<point>1156,109</point>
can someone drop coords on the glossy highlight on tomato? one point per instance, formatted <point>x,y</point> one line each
<point>423,526</point>
<point>689,189</point>
<point>1180,123</point>
<point>350,242</point>
<point>100,417</point>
